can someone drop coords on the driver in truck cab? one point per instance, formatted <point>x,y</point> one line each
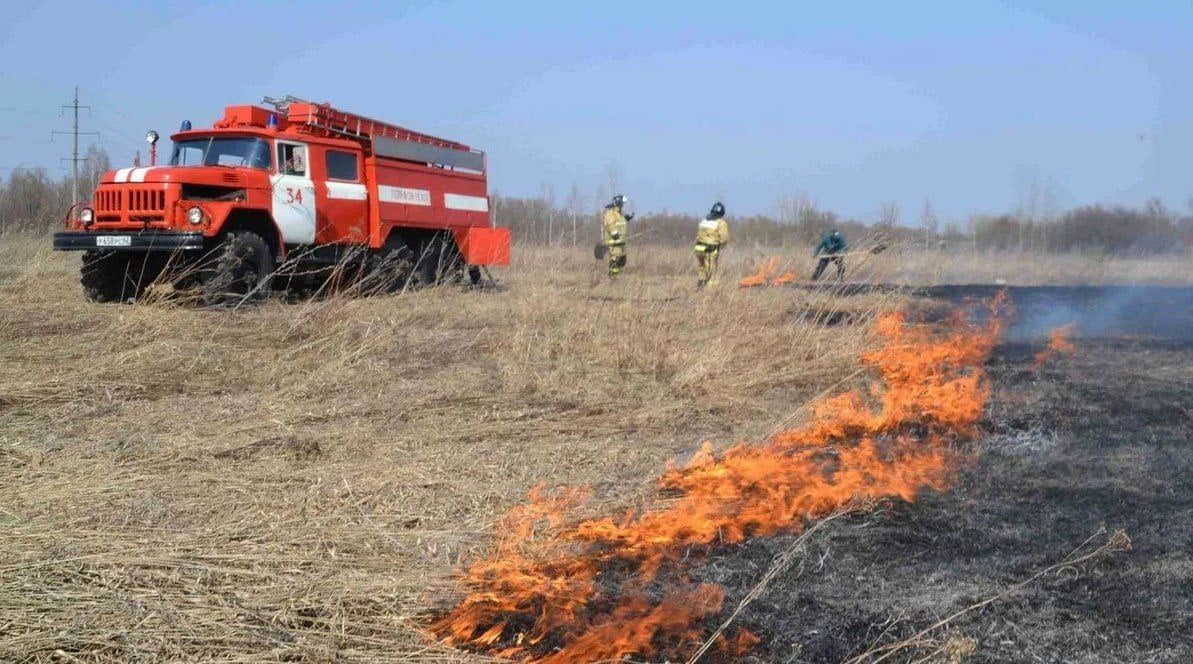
<point>295,160</point>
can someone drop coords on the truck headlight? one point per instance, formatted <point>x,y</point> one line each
<point>87,216</point>
<point>195,215</point>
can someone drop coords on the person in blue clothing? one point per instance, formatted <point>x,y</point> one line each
<point>831,248</point>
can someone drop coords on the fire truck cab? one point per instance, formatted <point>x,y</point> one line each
<point>300,191</point>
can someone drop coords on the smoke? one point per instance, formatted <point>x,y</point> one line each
<point>1156,312</point>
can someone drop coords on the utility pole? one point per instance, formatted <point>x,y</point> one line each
<point>74,154</point>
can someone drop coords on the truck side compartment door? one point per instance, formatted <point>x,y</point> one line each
<point>343,203</point>
<point>294,194</point>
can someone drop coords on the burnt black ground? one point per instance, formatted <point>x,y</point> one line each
<point>1158,312</point>
<point>1099,439</point>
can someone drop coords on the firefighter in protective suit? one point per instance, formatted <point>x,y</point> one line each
<point>831,248</point>
<point>711,236</point>
<point>615,230</point>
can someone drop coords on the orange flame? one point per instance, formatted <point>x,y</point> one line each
<point>607,588</point>
<point>787,277</point>
<point>1060,342</point>
<point>762,276</point>
<point>766,276</point>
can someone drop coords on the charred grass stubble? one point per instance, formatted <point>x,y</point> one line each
<point>298,480</point>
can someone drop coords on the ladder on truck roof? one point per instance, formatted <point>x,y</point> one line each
<point>388,140</point>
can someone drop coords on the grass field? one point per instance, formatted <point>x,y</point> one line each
<point>914,265</point>
<point>297,481</point>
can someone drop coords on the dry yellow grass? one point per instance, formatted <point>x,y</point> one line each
<point>960,266</point>
<point>297,481</point>
<point>913,265</point>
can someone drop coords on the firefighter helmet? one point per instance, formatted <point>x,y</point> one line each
<point>717,211</point>
<point>618,201</point>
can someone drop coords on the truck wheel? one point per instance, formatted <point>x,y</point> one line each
<point>112,277</point>
<point>474,275</point>
<point>240,269</point>
<point>389,269</point>
<point>433,262</point>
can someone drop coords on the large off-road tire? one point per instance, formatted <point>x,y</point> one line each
<point>437,260</point>
<point>239,270</point>
<point>114,276</point>
<point>389,269</point>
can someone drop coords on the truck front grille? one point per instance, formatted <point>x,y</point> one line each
<point>107,200</point>
<point>146,205</point>
<point>129,204</point>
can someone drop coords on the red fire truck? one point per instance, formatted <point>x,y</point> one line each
<point>299,191</point>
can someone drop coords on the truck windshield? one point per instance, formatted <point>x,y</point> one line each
<point>229,151</point>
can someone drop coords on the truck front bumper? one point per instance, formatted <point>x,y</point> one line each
<point>125,241</point>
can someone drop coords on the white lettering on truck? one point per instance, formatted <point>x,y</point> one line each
<point>388,194</point>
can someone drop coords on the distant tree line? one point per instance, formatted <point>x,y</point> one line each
<point>33,200</point>
<point>1089,229</point>
<point>1093,229</point>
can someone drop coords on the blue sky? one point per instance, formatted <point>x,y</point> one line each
<point>969,104</point>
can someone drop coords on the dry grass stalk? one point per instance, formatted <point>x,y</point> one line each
<point>780,565</point>
<point>297,480</point>
<point>1117,542</point>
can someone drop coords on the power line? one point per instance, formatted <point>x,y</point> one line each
<point>115,110</point>
<point>128,141</point>
<point>133,140</point>
<point>117,138</point>
<point>14,109</point>
<point>74,155</point>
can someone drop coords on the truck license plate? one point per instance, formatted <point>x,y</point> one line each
<point>113,241</point>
